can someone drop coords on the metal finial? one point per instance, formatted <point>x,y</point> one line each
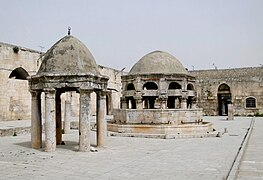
<point>69,28</point>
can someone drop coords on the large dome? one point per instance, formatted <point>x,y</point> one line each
<point>158,62</point>
<point>68,56</point>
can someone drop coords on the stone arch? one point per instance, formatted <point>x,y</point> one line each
<point>190,87</point>
<point>224,88</point>
<point>19,73</point>
<point>131,103</point>
<point>130,86</point>
<point>174,85</point>
<point>224,98</point>
<point>251,102</point>
<point>150,86</point>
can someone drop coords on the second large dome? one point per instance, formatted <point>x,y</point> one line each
<point>158,62</point>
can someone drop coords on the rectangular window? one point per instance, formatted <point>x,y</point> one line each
<point>250,102</point>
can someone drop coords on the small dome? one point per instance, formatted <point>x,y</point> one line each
<point>68,56</point>
<point>158,62</point>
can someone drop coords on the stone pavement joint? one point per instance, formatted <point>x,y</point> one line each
<point>139,158</point>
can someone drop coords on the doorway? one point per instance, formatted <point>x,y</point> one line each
<point>224,98</point>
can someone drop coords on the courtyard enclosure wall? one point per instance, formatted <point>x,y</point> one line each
<point>15,98</point>
<point>245,86</point>
<point>245,90</point>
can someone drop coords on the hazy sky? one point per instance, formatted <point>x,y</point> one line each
<point>200,33</point>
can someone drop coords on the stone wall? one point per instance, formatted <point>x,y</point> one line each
<point>14,95</point>
<point>243,83</point>
<point>15,101</point>
<point>157,116</point>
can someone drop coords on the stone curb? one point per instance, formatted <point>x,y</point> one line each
<point>14,131</point>
<point>235,167</point>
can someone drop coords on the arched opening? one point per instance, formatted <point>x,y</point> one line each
<point>149,102</point>
<point>189,102</point>
<point>173,102</point>
<point>19,73</point>
<point>150,86</point>
<point>190,87</point>
<point>130,86</point>
<point>131,103</point>
<point>224,98</point>
<point>250,102</point>
<point>174,85</point>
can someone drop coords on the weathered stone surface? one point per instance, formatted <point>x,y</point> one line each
<point>68,55</point>
<point>158,62</point>
<point>243,83</point>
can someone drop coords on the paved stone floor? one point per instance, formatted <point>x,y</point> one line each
<point>138,158</point>
<point>252,162</point>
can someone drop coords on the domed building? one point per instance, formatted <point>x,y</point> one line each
<point>159,97</point>
<point>67,66</point>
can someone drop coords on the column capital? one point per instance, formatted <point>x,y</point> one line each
<point>49,90</point>
<point>101,93</point>
<point>85,90</point>
<point>35,93</point>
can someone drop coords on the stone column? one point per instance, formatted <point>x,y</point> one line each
<point>101,119</point>
<point>123,103</point>
<point>50,123</point>
<point>194,106</point>
<point>184,100</point>
<point>84,120</point>
<point>163,102</point>
<point>58,119</point>
<point>36,120</point>
<point>184,103</point>
<point>67,116</point>
<point>230,111</point>
<point>139,104</point>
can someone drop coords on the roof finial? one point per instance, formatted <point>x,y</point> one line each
<point>69,28</point>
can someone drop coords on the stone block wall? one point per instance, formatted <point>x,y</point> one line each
<point>243,83</point>
<point>15,99</point>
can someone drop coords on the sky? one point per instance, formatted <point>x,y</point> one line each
<point>202,34</point>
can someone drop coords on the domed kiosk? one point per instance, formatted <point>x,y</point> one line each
<point>158,99</point>
<point>67,66</point>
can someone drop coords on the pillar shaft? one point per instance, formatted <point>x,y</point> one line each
<point>36,120</point>
<point>101,119</point>
<point>50,123</point>
<point>84,120</point>
<point>139,104</point>
<point>230,112</point>
<point>67,117</point>
<point>58,119</point>
<point>124,104</point>
<point>184,104</point>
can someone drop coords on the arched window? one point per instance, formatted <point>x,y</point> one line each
<point>174,85</point>
<point>224,87</point>
<point>19,73</point>
<point>130,86</point>
<point>190,87</point>
<point>150,86</point>
<point>250,102</point>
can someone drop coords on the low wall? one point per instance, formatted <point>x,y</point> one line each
<point>157,116</point>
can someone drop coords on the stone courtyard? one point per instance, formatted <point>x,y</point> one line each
<point>140,158</point>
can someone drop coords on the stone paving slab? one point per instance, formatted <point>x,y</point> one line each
<point>126,157</point>
<point>251,166</point>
